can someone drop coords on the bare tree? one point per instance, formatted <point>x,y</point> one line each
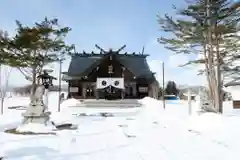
<point>4,81</point>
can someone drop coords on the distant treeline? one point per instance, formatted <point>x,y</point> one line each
<point>26,90</point>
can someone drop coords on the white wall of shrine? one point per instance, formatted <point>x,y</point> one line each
<point>153,90</point>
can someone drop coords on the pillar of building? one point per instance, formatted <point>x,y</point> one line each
<point>134,89</point>
<point>122,93</point>
<point>123,90</point>
<point>95,91</point>
<point>84,90</point>
<point>150,91</point>
<point>153,90</point>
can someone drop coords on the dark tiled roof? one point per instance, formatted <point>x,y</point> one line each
<point>137,65</point>
<point>79,64</point>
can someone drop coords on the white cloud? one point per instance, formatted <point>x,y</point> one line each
<point>156,66</point>
<point>184,75</point>
<point>177,60</point>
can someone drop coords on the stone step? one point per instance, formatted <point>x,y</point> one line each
<point>111,103</point>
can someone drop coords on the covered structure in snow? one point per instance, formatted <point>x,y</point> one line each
<point>183,92</point>
<point>110,75</point>
<point>184,96</point>
<point>234,88</point>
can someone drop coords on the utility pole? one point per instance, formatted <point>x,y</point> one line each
<point>189,101</point>
<point>163,91</point>
<point>60,84</point>
<point>1,91</point>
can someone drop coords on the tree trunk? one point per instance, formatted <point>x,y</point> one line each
<point>211,57</point>
<point>207,71</point>
<point>34,78</point>
<point>211,77</point>
<point>219,79</point>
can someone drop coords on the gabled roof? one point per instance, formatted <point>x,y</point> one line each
<point>136,64</point>
<point>80,64</point>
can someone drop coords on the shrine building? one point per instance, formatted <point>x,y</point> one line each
<point>110,75</point>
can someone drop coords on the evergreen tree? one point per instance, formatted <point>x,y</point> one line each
<point>171,88</point>
<point>7,56</point>
<point>207,28</point>
<point>38,45</point>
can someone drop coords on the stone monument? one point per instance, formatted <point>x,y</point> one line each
<point>37,112</point>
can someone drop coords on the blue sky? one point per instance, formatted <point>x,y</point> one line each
<point>108,23</point>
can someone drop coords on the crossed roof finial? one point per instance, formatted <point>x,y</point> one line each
<point>102,50</point>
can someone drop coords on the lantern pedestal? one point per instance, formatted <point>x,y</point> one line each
<point>37,112</point>
<point>34,114</point>
<point>37,115</point>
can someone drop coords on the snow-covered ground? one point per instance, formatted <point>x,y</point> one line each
<point>145,133</point>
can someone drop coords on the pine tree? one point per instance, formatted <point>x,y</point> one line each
<point>171,88</point>
<point>38,45</point>
<point>7,56</point>
<point>207,28</point>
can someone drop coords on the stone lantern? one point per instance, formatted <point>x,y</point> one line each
<point>37,112</point>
